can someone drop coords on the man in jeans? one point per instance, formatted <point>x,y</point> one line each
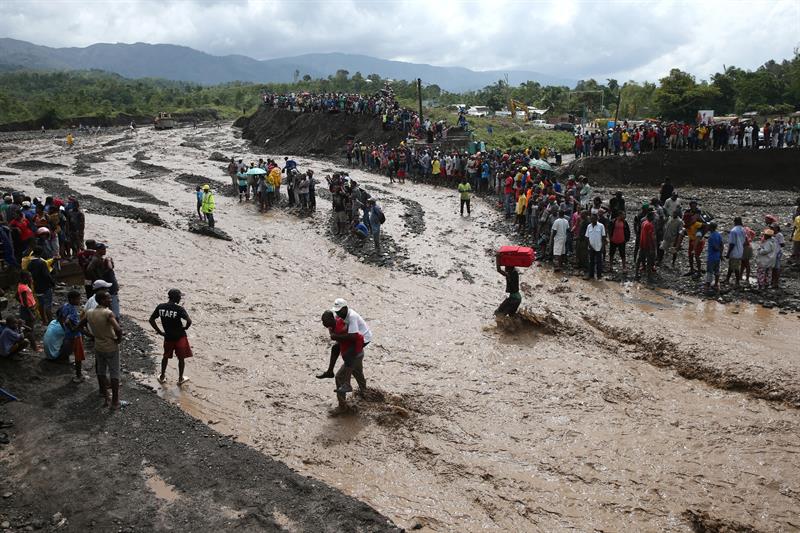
<point>596,235</point>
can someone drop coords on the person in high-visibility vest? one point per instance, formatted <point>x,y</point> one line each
<point>208,206</point>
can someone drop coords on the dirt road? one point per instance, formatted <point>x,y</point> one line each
<point>635,409</point>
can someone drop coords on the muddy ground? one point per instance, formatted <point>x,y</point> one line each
<point>611,406</point>
<point>72,465</point>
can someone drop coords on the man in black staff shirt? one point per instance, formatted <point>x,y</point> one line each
<point>175,342</point>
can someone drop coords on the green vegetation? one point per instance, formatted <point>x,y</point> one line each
<point>49,96</point>
<point>507,133</point>
<point>772,89</point>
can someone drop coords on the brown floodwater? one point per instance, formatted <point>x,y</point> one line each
<point>586,425</point>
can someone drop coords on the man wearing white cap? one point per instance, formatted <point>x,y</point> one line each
<point>355,326</point>
<point>97,287</point>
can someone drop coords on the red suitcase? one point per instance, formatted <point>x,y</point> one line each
<point>516,256</point>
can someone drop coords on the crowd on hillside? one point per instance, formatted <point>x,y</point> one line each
<point>647,137</point>
<point>381,105</point>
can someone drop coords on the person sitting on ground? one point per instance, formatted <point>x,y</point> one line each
<point>12,340</point>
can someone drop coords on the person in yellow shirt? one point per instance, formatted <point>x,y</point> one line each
<point>274,179</point>
<point>522,204</point>
<point>208,206</point>
<point>796,240</point>
<point>436,170</point>
<point>625,138</point>
<point>543,153</point>
<point>70,140</point>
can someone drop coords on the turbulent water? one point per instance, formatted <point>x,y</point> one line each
<point>612,407</point>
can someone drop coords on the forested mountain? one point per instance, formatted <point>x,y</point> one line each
<point>180,63</point>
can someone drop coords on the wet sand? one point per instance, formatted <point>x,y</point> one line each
<point>643,410</point>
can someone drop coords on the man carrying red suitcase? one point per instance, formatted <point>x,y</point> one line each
<point>514,299</point>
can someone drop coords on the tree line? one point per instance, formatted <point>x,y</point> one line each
<point>771,89</point>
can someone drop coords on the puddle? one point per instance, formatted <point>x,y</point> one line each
<point>162,489</point>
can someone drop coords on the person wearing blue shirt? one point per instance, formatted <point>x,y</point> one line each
<point>69,313</point>
<point>736,239</point>
<point>199,194</point>
<point>714,256</point>
<point>375,221</point>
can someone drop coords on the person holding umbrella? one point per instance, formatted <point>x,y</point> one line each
<point>255,175</point>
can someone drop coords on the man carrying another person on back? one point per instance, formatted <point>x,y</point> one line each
<point>355,326</point>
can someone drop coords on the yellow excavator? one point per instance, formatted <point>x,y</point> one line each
<point>516,105</point>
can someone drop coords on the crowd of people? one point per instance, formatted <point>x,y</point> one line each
<point>567,222</point>
<point>649,136</point>
<point>43,248</point>
<point>381,105</point>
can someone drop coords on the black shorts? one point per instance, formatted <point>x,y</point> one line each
<point>619,248</point>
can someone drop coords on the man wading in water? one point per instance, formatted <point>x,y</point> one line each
<point>510,304</point>
<point>351,347</point>
<point>175,342</point>
<point>355,326</point>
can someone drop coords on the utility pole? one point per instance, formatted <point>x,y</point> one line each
<point>419,96</point>
<point>619,101</point>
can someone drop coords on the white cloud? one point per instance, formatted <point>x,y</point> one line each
<point>623,39</point>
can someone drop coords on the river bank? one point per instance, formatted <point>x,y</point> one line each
<point>635,408</point>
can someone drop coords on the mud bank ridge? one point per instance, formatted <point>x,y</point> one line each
<point>99,205</point>
<point>698,363</point>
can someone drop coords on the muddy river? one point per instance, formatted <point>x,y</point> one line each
<point>634,409</point>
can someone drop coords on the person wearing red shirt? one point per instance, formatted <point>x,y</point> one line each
<point>509,194</point>
<point>24,232</point>
<point>620,232</point>
<point>351,348</point>
<point>647,246</point>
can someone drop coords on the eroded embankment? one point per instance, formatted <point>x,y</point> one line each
<point>288,132</point>
<point>737,169</point>
<point>99,205</point>
<point>697,362</point>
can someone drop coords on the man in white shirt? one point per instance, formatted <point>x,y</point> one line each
<point>355,325</point>
<point>596,234</point>
<point>672,204</point>
<point>353,321</point>
<point>559,233</point>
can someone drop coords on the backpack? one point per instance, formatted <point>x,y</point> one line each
<point>381,216</point>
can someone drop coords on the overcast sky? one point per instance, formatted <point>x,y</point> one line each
<point>638,40</point>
